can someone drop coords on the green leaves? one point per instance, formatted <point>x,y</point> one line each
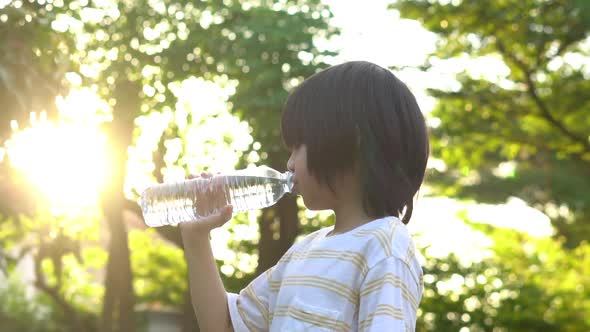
<point>159,270</point>
<point>522,134</point>
<point>19,313</point>
<point>33,59</point>
<point>529,284</point>
<point>536,117</point>
<point>133,54</point>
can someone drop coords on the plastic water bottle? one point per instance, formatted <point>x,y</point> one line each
<point>189,200</point>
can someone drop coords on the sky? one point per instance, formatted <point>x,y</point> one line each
<point>372,32</point>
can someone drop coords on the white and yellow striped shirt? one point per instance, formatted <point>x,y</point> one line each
<point>367,279</point>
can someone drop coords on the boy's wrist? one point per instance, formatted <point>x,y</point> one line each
<point>194,235</point>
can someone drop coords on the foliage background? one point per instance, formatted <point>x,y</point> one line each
<point>175,87</point>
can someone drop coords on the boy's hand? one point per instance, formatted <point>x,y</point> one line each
<point>206,224</point>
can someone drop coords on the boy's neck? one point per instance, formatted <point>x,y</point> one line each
<point>349,211</point>
<point>348,219</point>
<point>348,204</point>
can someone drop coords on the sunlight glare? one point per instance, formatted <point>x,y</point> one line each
<point>64,159</point>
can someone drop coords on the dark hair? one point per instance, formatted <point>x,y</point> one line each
<point>359,113</point>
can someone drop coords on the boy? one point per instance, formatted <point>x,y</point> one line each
<point>359,147</point>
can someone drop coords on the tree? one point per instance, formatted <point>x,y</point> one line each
<point>529,284</point>
<point>33,60</point>
<point>524,133</point>
<point>123,49</point>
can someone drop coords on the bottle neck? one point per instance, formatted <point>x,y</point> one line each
<point>287,177</point>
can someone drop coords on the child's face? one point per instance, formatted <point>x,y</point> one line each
<point>315,195</point>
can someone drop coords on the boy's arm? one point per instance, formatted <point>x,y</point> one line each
<point>213,309</point>
<point>208,294</point>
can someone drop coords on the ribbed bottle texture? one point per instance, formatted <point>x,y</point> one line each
<point>173,203</point>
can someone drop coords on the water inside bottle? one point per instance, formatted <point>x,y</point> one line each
<point>170,204</point>
<point>246,192</point>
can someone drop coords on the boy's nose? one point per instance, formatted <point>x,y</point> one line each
<point>290,164</point>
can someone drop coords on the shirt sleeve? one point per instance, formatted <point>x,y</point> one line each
<point>249,310</point>
<point>389,297</point>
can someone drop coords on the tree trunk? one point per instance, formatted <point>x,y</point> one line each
<point>72,317</point>
<point>289,223</point>
<point>119,299</point>
<point>270,250</point>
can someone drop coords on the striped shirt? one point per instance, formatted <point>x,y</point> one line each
<point>367,279</point>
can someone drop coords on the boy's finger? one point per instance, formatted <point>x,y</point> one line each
<point>210,222</point>
<point>217,219</point>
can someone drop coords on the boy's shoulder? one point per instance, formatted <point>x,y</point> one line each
<point>376,241</point>
<point>305,240</point>
<point>385,238</point>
